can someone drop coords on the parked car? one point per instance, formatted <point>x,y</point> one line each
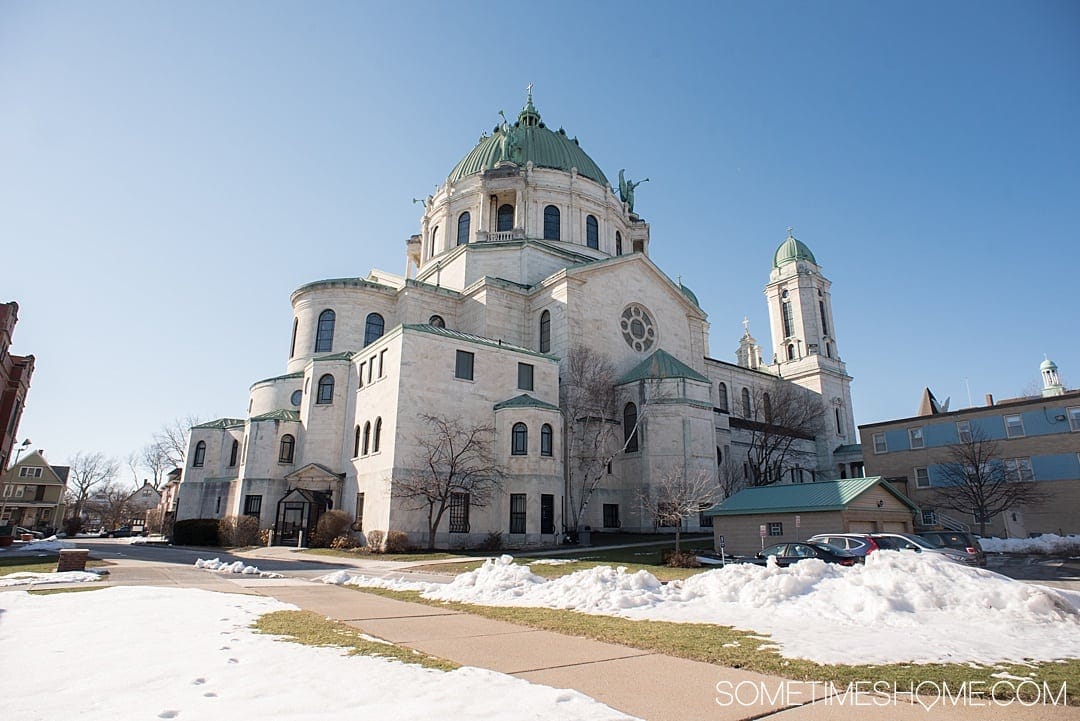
<point>859,544</point>
<point>789,553</point>
<point>35,534</point>
<point>911,542</point>
<point>959,540</point>
<point>122,532</point>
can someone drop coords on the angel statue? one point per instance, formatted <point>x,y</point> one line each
<point>626,190</point>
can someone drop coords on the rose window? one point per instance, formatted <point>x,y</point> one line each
<point>637,328</point>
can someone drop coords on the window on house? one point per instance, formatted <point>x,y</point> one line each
<point>915,436</point>
<point>747,410</point>
<point>463,367</point>
<point>618,243</point>
<point>551,223</point>
<point>824,321</point>
<point>326,390</point>
<point>1014,426</point>
<point>360,376</point>
<point>517,512</point>
<point>463,228</point>
<point>324,335</point>
<point>366,448</point>
<point>34,471</point>
<point>285,454</point>
<point>374,326</point>
<point>611,515</point>
<point>200,455</point>
<point>1019,469</point>
<point>519,440</point>
<point>789,318</point>
<point>233,452</point>
<point>377,435</point>
<point>359,525</point>
<point>253,506</point>
<point>1074,419</point>
<point>545,440</point>
<point>459,513</point>
<point>592,232</point>
<point>547,513</point>
<point>963,431</point>
<point>629,421</point>
<point>791,351</point>
<point>722,397</point>
<point>929,517</point>
<point>217,506</point>
<point>356,442</point>
<point>545,332</point>
<point>437,321</point>
<point>435,240</point>
<point>505,220</point>
<point>922,478</point>
<point>880,446</point>
<point>776,529</point>
<point>292,343</point>
<point>525,376</point>
<point>839,421</point>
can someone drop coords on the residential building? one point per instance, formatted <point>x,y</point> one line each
<point>524,253</point>
<point>33,493</point>
<point>15,373</point>
<point>1037,439</point>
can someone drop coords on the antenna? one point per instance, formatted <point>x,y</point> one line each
<point>971,404</point>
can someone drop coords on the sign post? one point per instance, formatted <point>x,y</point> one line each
<point>763,533</point>
<point>723,556</point>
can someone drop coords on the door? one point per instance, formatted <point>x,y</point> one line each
<point>547,513</point>
<point>292,522</point>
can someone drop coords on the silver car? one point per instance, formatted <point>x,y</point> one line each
<point>911,542</point>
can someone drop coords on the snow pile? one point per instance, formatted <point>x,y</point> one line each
<point>216,667</point>
<point>234,567</point>
<point>26,577</point>
<point>47,545</point>
<point>1046,544</point>
<point>137,540</point>
<point>897,607</point>
<point>552,562</point>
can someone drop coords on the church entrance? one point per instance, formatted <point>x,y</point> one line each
<point>298,513</point>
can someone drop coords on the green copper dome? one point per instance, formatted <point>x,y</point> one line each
<point>792,250</point>
<point>1048,365</point>
<point>528,140</point>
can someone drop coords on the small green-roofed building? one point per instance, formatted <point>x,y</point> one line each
<point>796,511</point>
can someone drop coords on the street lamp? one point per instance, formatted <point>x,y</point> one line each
<point>21,447</point>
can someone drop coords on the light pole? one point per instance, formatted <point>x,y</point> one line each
<point>20,448</point>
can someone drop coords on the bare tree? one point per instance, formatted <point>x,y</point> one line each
<point>593,430</point>
<point>679,495</point>
<point>150,463</point>
<point>451,458</point>
<point>730,478</point>
<point>977,480</point>
<point>88,472</point>
<point>169,447</point>
<point>780,416</point>
<point>109,502</point>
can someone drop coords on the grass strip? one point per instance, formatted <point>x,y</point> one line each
<point>54,591</point>
<point>733,648</point>
<point>37,564</point>
<point>312,629</point>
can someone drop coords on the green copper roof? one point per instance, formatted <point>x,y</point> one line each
<point>221,423</point>
<point>795,497</point>
<point>662,364</point>
<point>470,338</point>
<point>525,401</point>
<point>1048,365</point>
<point>278,415</point>
<point>343,355</point>
<point>528,140</point>
<point>849,448</point>
<point>689,294</point>
<point>792,250</point>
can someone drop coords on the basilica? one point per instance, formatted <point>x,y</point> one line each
<point>525,252</point>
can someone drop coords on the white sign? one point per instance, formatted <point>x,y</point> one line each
<point>798,521</point>
<point>763,533</point>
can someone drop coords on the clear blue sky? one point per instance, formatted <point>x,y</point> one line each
<point>169,172</point>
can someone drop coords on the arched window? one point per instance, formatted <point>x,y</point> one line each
<point>722,397</point>
<point>519,440</point>
<point>463,228</point>
<point>766,401</point>
<point>629,423</point>
<point>285,454</point>
<point>592,232</point>
<point>324,336</point>
<point>356,442</point>
<point>200,455</point>
<point>367,439</point>
<point>435,240</point>
<point>545,332</point>
<point>326,390</point>
<point>373,328</point>
<point>618,243</point>
<point>437,321</point>
<point>839,422</point>
<point>505,218</point>
<point>545,440</point>
<point>292,343</point>
<point>378,435</point>
<point>745,403</point>
<point>232,454</point>
<point>551,223</point>
<point>791,351</point>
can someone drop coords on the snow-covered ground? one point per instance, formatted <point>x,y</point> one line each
<point>234,567</point>
<point>1046,544</point>
<point>898,607</point>
<point>194,657</point>
<point>25,578</point>
<point>49,545</point>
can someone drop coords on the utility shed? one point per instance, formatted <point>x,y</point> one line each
<point>849,505</point>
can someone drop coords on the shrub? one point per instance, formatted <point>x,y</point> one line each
<point>72,525</point>
<point>331,525</point>
<point>345,542</point>
<point>264,537</point>
<point>682,559</point>
<point>397,542</point>
<point>493,542</point>
<point>375,541</point>
<point>238,531</point>
<point>196,532</point>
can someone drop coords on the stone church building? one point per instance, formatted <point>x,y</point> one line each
<point>523,253</point>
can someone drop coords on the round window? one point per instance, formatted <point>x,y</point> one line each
<point>297,396</point>
<point>637,328</point>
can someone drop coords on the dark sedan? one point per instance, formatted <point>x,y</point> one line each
<point>789,553</point>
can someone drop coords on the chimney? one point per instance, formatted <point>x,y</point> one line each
<point>989,399</point>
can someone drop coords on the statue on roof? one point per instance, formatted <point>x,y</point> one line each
<point>626,190</point>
